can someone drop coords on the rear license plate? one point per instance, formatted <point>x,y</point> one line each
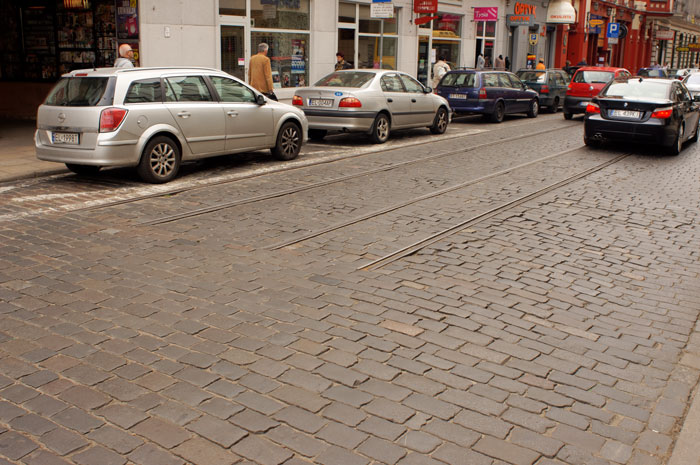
<point>70,138</point>
<point>625,113</point>
<point>459,96</point>
<point>584,104</point>
<point>320,102</point>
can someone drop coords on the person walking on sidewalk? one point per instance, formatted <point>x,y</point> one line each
<point>340,62</point>
<point>440,68</point>
<point>126,55</point>
<point>260,72</point>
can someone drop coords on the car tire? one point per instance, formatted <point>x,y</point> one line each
<point>317,134</point>
<point>534,108</point>
<point>160,160</point>
<point>440,124</point>
<point>499,112</point>
<point>695,136</point>
<point>568,116</point>
<point>555,106</point>
<point>380,129</point>
<point>677,146</point>
<point>83,170</point>
<point>288,142</point>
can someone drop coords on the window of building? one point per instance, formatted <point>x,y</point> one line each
<point>232,7</point>
<point>367,42</point>
<point>485,41</point>
<point>288,56</point>
<point>442,35</point>
<point>280,14</point>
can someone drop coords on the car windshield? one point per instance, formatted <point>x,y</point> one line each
<point>693,79</point>
<point>637,88</point>
<point>77,91</point>
<point>346,79</point>
<point>532,76</point>
<point>593,77</point>
<point>458,80</point>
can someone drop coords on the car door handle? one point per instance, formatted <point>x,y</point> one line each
<point>413,100</point>
<point>390,100</point>
<point>232,113</point>
<point>184,114</point>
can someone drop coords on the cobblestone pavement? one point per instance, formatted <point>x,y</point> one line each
<point>560,331</point>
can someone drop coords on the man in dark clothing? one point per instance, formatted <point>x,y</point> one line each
<point>341,63</point>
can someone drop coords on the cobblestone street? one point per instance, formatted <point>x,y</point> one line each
<point>556,322</point>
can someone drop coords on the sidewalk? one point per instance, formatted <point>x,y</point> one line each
<point>17,158</point>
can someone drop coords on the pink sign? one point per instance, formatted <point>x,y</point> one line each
<point>488,13</point>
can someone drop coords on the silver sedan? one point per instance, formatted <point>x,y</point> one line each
<point>372,101</point>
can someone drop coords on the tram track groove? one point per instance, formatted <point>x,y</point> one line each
<point>416,246</point>
<point>259,198</point>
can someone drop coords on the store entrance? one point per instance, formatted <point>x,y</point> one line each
<point>233,56</point>
<point>424,60</point>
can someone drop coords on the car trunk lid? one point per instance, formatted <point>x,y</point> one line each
<point>630,110</point>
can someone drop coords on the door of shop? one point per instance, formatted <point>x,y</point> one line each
<point>234,49</point>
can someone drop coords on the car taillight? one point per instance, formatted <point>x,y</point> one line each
<point>592,108</point>
<point>111,118</point>
<point>296,100</point>
<point>569,87</point>
<point>482,93</point>
<point>350,102</point>
<point>544,89</point>
<point>662,113</point>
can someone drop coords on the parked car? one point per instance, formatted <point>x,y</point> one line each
<point>652,73</point>
<point>683,72</point>
<point>550,84</point>
<point>692,82</point>
<point>490,93</point>
<point>156,118</point>
<point>659,111</point>
<point>372,101</point>
<point>585,84</point>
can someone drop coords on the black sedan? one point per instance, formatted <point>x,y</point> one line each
<point>658,111</point>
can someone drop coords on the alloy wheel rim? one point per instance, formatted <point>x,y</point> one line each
<point>162,159</point>
<point>535,108</point>
<point>442,120</point>
<point>383,128</point>
<point>290,141</point>
<point>500,111</point>
<point>680,139</point>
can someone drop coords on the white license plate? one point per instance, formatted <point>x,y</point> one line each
<point>71,138</point>
<point>320,102</point>
<point>459,96</point>
<point>584,104</point>
<point>625,113</point>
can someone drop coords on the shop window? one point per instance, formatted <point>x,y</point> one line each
<point>232,7</point>
<point>368,54</point>
<point>370,25</point>
<point>280,14</point>
<point>288,57</point>
<point>346,12</point>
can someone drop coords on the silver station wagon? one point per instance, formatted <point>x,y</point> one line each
<point>372,101</point>
<point>155,118</point>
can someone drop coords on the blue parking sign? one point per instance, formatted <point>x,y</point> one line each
<point>613,30</point>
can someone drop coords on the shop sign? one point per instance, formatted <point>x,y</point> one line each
<point>613,40</point>
<point>594,23</point>
<point>525,9</point>
<point>486,14</point>
<point>665,34</point>
<point>561,12</point>
<point>682,49</point>
<point>381,9</point>
<point>425,6</point>
<point>519,20</point>
<point>533,39</point>
<point>694,47</point>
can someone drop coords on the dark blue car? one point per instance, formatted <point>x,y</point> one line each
<point>490,93</point>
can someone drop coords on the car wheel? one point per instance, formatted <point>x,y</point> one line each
<point>534,109</point>
<point>380,129</point>
<point>317,134</point>
<point>677,146</point>
<point>83,170</point>
<point>440,124</point>
<point>695,135</point>
<point>160,160</point>
<point>288,142</point>
<point>498,113</point>
<point>568,116</point>
<point>555,106</point>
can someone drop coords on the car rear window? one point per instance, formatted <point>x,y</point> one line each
<point>593,77</point>
<point>653,73</point>
<point>77,92</point>
<point>458,80</point>
<point>532,76</point>
<point>637,88</point>
<point>346,79</point>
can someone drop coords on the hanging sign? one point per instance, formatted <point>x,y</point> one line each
<point>486,14</point>
<point>425,6</point>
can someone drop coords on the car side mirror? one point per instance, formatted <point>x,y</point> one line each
<point>696,98</point>
<point>259,99</point>
<point>427,90</point>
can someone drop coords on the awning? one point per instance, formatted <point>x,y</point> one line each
<point>561,12</point>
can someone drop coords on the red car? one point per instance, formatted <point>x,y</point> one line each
<point>586,83</point>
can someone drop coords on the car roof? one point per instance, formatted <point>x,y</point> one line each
<point>474,70</point>
<point>106,72</point>
<point>601,68</point>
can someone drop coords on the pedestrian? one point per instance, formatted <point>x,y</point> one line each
<point>440,68</point>
<point>340,62</point>
<point>540,64</point>
<point>582,63</point>
<point>500,63</point>
<point>480,62</point>
<point>126,55</point>
<point>260,72</point>
<point>567,67</point>
<point>507,63</point>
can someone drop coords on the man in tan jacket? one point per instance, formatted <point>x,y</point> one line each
<point>259,71</point>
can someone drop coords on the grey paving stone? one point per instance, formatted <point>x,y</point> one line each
<point>167,435</point>
<point>341,435</point>
<point>300,443</point>
<point>63,441</point>
<point>220,432</point>
<point>419,441</point>
<point>77,420</point>
<point>15,446</point>
<point>40,457</point>
<point>505,451</point>
<point>253,421</point>
<point>98,454</point>
<point>32,424</point>
<point>84,397</point>
<point>456,455</point>
<point>336,456</point>
<point>198,451</point>
<point>261,451</point>
<point>300,419</point>
<point>122,415</point>
<point>116,439</point>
